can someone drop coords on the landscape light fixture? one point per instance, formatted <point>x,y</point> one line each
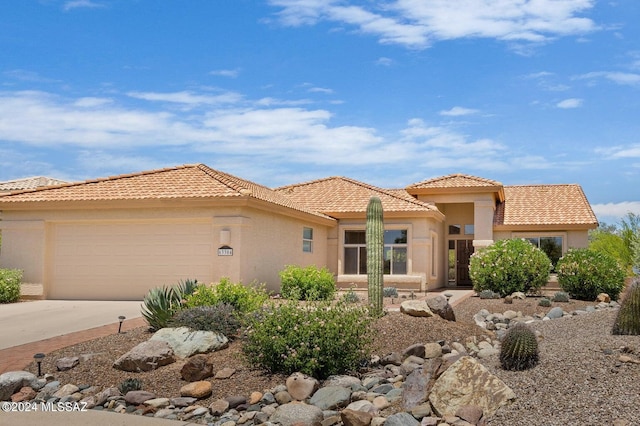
<point>121,318</point>
<point>448,296</point>
<point>38,358</point>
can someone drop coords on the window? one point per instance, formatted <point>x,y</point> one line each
<point>552,246</point>
<point>469,229</point>
<point>395,252</point>
<point>307,240</point>
<point>454,229</point>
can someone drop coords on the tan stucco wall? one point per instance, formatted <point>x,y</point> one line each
<point>263,242</point>
<point>571,238</point>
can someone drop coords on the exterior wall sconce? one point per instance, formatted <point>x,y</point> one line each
<point>121,318</point>
<point>38,358</point>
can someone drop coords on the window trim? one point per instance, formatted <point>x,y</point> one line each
<point>343,229</point>
<point>307,243</point>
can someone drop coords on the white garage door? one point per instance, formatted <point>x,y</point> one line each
<point>122,261</point>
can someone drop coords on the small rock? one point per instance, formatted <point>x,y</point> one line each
<point>197,368</point>
<point>401,419</point>
<point>432,350</point>
<point>297,414</point>
<point>416,308</point>
<point>331,397</point>
<point>603,298</point>
<point>355,418</point>
<point>218,407</point>
<point>26,393</point>
<point>555,313</point>
<point>199,390</point>
<point>157,402</point>
<point>225,373</point>
<point>470,413</point>
<point>136,397</point>
<point>67,363</point>
<point>66,390</point>
<point>300,386</point>
<point>235,400</point>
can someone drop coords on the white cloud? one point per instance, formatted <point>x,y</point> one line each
<point>320,90</point>
<point>385,62</point>
<point>188,98</point>
<point>570,103</point>
<point>417,23</point>
<point>458,111</point>
<point>630,151</point>
<point>616,210</point>
<point>76,4</point>
<point>622,78</point>
<point>226,73</point>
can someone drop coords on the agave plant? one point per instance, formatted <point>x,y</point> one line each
<point>161,303</point>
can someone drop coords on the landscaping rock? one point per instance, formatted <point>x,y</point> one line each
<point>355,418</point>
<point>186,342</point>
<point>199,390</point>
<point>218,407</point>
<point>331,397</point>
<point>440,306</point>
<point>300,386</point>
<point>67,363</point>
<point>416,308</point>
<point>401,419</point>
<point>603,298</point>
<point>467,382</point>
<point>470,413</point>
<point>297,414</point>
<point>12,381</point>
<point>146,356</point>
<point>25,393</point>
<point>225,373</point>
<point>555,313</point>
<point>137,397</point>
<point>197,368</point>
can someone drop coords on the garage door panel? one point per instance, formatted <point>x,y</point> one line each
<point>124,260</point>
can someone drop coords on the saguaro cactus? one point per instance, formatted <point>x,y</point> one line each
<point>628,318</point>
<point>375,253</point>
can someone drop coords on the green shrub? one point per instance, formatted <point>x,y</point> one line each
<point>244,298</point>
<point>544,302</point>
<point>309,283</point>
<point>351,297</point>
<point>561,296</point>
<point>130,384</point>
<point>10,280</point>
<point>628,318</point>
<point>221,318</point>
<point>319,339</point>
<point>161,303</point>
<point>508,266</point>
<point>488,294</point>
<point>519,348</point>
<point>390,292</point>
<point>585,273</point>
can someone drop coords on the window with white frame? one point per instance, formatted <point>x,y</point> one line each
<point>550,245</point>
<point>307,240</point>
<point>395,252</point>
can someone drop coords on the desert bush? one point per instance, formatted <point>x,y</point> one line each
<point>221,318</point>
<point>561,296</point>
<point>585,273</point>
<point>308,283</point>
<point>244,298</point>
<point>488,294</point>
<point>10,280</point>
<point>351,297</point>
<point>508,266</point>
<point>519,348</point>
<point>161,303</point>
<point>318,339</point>
<point>128,385</point>
<point>628,317</point>
<point>390,292</point>
<point>544,302</point>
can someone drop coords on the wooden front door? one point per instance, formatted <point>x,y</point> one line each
<point>464,250</point>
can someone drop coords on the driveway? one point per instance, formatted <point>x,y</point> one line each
<point>32,321</point>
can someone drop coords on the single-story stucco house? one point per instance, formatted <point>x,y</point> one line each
<point>117,237</point>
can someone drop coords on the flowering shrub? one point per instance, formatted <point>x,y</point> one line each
<point>318,339</point>
<point>309,283</point>
<point>221,318</point>
<point>508,266</point>
<point>243,298</point>
<point>10,280</point>
<point>585,273</point>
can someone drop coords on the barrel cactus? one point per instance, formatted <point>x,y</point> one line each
<point>628,318</point>
<point>519,349</point>
<point>375,253</point>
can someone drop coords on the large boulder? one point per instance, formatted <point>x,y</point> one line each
<point>467,382</point>
<point>415,308</point>
<point>440,306</point>
<point>15,380</point>
<point>186,342</point>
<point>146,356</point>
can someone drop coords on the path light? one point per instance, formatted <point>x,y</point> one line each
<point>448,296</point>
<point>38,358</point>
<point>121,318</point>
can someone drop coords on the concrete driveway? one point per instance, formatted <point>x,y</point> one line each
<point>32,321</point>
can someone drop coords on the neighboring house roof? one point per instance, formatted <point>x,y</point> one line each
<point>545,205</point>
<point>196,181</point>
<point>340,197</point>
<point>457,182</point>
<point>29,183</point>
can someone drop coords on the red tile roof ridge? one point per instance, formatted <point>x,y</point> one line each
<point>453,176</point>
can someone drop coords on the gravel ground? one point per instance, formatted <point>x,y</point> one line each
<point>579,380</point>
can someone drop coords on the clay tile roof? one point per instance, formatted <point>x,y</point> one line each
<point>335,195</point>
<point>544,205</point>
<point>29,183</point>
<point>457,180</point>
<point>182,182</point>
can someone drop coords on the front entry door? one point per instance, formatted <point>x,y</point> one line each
<point>464,250</point>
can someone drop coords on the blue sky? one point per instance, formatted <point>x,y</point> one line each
<point>283,91</point>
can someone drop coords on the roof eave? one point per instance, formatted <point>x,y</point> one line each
<point>546,227</point>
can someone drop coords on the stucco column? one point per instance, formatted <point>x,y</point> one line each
<point>483,223</point>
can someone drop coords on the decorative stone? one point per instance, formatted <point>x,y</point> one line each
<point>12,381</point>
<point>182,401</point>
<point>235,400</point>
<point>301,386</point>
<point>342,380</point>
<point>225,373</point>
<point>67,363</point>
<point>197,368</point>
<point>157,402</point>
<point>66,390</point>
<point>470,413</point>
<point>603,298</point>
<point>298,414</point>
<point>186,342</point>
<point>137,397</point>
<point>331,397</point>
<point>355,418</point>
<point>255,397</point>
<point>415,350</point>
<point>401,419</point>
<point>25,393</point>
<point>199,390</point>
<point>416,308</point>
<point>146,356</point>
<point>440,306</point>
<point>432,350</point>
<point>555,313</point>
<point>218,407</point>
<point>467,382</point>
